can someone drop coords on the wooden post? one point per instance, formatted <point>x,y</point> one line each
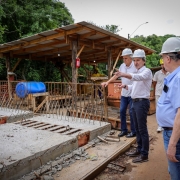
<point>105,104</point>
<point>8,66</point>
<point>74,73</point>
<point>109,63</point>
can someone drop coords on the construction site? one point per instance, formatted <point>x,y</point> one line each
<point>63,130</point>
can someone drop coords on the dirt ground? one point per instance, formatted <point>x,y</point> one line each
<point>154,169</point>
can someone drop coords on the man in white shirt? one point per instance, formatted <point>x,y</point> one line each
<point>140,94</point>
<point>158,82</point>
<point>127,67</point>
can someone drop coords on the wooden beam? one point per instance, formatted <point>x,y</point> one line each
<point>88,34</point>
<point>38,47</point>
<point>15,66</point>
<point>52,51</point>
<point>74,74</point>
<point>42,39</point>
<point>65,75</point>
<point>40,105</point>
<point>113,43</point>
<point>78,54</point>
<point>109,63</point>
<point>102,39</point>
<point>74,55</point>
<point>1,55</point>
<point>115,62</point>
<point>8,66</point>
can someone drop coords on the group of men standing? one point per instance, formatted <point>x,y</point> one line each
<point>136,81</point>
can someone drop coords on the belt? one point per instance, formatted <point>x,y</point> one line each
<point>167,128</point>
<point>138,99</point>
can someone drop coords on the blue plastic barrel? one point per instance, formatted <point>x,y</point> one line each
<point>25,88</point>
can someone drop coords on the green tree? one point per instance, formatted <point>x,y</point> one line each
<point>112,28</point>
<point>154,42</point>
<point>20,18</point>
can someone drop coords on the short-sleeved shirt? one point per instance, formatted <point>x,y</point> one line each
<point>169,101</point>
<point>127,69</point>
<point>159,78</point>
<point>142,81</point>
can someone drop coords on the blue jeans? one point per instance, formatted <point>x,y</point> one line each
<point>173,167</point>
<point>139,112</point>
<point>125,101</point>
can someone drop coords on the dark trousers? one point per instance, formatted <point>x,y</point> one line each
<point>125,101</point>
<point>139,112</point>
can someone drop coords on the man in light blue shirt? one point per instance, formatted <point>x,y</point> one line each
<point>168,106</point>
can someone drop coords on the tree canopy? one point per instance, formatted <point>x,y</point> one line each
<point>20,18</point>
<point>154,42</point>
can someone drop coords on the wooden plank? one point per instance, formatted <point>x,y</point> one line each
<point>19,60</point>
<point>74,73</point>
<point>88,34</point>
<point>115,62</point>
<point>40,46</point>
<point>40,94</point>
<point>78,54</point>
<point>59,97</point>
<point>42,103</point>
<point>102,39</point>
<point>86,170</point>
<point>109,63</point>
<point>42,39</point>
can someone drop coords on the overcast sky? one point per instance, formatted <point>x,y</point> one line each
<point>163,16</point>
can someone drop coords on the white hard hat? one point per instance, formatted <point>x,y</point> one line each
<point>171,45</point>
<point>139,53</point>
<point>126,52</point>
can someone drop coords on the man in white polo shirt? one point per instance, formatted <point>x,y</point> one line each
<point>140,94</point>
<point>158,81</point>
<point>126,67</point>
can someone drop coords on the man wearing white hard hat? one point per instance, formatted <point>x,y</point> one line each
<point>127,66</point>
<point>140,94</point>
<point>168,106</point>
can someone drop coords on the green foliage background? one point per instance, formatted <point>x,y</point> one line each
<point>22,18</point>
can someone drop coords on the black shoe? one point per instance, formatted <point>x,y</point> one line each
<point>133,154</point>
<point>122,134</point>
<point>140,159</point>
<point>130,135</point>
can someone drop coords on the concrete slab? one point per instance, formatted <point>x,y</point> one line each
<point>23,149</point>
<point>95,128</point>
<point>12,115</point>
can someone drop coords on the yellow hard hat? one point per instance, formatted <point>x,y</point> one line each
<point>161,61</point>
